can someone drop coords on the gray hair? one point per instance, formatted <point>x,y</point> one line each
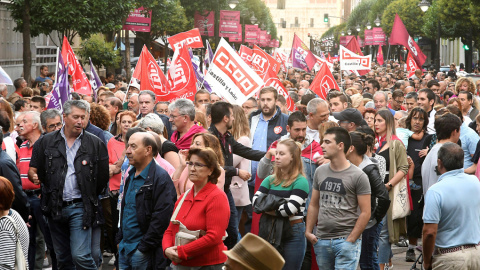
<point>153,122</point>
<point>451,155</point>
<point>184,106</point>
<point>3,87</point>
<point>49,114</point>
<point>381,93</point>
<point>402,82</point>
<point>35,118</point>
<point>313,104</point>
<point>410,95</point>
<point>147,92</point>
<point>80,104</point>
<point>403,113</point>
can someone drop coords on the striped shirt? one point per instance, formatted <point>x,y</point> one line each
<point>71,190</point>
<point>23,164</point>
<point>8,240</point>
<point>295,194</point>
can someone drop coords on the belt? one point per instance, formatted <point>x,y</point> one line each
<point>453,249</point>
<point>295,221</point>
<point>32,192</point>
<point>72,202</point>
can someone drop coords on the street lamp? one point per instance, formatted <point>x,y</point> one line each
<point>358,28</point>
<point>233,3</point>
<point>253,20</point>
<point>369,25</point>
<point>349,32</point>
<point>424,5</point>
<point>377,21</point>
<point>343,33</point>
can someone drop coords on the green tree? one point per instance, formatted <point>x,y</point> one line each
<point>359,16</point>
<point>377,9</point>
<point>409,12</point>
<point>101,52</point>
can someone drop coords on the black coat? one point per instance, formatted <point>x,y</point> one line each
<point>9,170</point>
<point>233,147</point>
<point>91,169</point>
<point>380,200</point>
<point>154,202</point>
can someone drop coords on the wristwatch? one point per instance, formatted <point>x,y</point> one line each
<point>390,185</point>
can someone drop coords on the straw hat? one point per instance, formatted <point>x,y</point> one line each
<point>254,253</point>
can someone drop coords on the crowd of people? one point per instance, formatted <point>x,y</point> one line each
<point>206,184</point>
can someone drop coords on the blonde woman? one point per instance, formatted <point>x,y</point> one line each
<point>241,133</point>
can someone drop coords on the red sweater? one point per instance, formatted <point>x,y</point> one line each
<point>186,140</point>
<point>115,149</point>
<point>208,211</point>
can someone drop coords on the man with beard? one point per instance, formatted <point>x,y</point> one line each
<point>222,121</point>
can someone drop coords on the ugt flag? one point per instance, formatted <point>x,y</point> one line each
<point>61,90</point>
<point>380,55</point>
<point>231,77</point>
<point>301,56</point>
<point>324,82</point>
<point>246,54</point>
<point>400,36</point>
<point>411,65</point>
<point>352,61</point>
<point>81,84</point>
<point>267,68</point>
<point>181,76</point>
<point>150,75</point>
<point>94,79</point>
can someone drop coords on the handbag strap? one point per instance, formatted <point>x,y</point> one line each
<point>14,225</point>
<point>174,216</point>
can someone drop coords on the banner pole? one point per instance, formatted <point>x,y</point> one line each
<point>388,52</point>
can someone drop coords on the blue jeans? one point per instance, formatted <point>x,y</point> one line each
<point>133,261</point>
<point>72,242</point>
<point>294,248</point>
<point>96,250</point>
<point>368,257</point>
<point>384,248</point>
<point>337,253</point>
<point>38,218</point>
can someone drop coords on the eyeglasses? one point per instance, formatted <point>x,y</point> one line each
<point>195,165</point>
<point>57,125</point>
<point>398,101</point>
<point>175,116</point>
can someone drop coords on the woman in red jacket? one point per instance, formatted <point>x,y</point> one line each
<point>205,208</point>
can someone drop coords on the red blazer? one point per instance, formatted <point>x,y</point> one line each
<point>208,211</point>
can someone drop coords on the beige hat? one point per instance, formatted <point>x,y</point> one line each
<point>256,254</point>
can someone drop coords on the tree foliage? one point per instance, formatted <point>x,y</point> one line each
<point>359,16</point>
<point>409,12</point>
<point>101,52</point>
<point>377,9</point>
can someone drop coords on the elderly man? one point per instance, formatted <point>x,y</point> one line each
<point>147,205</point>
<point>30,128</point>
<point>380,99</point>
<point>318,113</point>
<point>146,100</point>
<point>451,230</point>
<point>304,84</point>
<point>3,90</point>
<point>51,120</point>
<point>133,103</point>
<point>70,163</point>
<point>182,117</point>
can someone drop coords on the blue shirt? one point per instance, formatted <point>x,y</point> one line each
<point>131,229</point>
<point>259,143</point>
<point>469,140</point>
<point>70,189</point>
<point>453,203</point>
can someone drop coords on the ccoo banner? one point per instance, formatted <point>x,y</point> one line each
<point>191,38</point>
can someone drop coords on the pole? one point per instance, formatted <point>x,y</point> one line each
<point>217,24</point>
<point>388,52</point>
<point>165,42</point>
<point>437,57</point>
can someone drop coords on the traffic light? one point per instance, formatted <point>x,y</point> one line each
<point>325,17</point>
<point>465,47</point>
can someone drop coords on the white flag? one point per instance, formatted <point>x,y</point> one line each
<point>4,78</point>
<point>352,61</point>
<point>230,77</point>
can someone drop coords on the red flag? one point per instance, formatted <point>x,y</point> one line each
<point>151,76</point>
<point>380,55</point>
<point>353,46</point>
<point>246,54</point>
<point>192,39</point>
<point>400,36</point>
<point>281,58</point>
<point>181,76</point>
<point>81,84</point>
<point>267,68</point>
<point>411,65</point>
<point>324,82</point>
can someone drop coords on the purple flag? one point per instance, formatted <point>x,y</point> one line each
<point>301,56</point>
<point>94,80</point>
<point>208,54</point>
<point>60,92</point>
<point>200,77</point>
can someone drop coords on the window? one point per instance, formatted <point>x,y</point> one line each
<point>281,4</point>
<point>311,22</point>
<point>283,23</point>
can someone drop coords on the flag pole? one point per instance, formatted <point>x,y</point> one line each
<point>56,65</point>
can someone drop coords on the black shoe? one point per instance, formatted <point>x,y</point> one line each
<point>410,257</point>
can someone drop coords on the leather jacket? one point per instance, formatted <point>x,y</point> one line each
<point>91,169</point>
<point>380,200</point>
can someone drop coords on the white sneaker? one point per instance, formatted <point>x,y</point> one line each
<point>107,254</point>
<point>45,262</point>
<point>112,261</point>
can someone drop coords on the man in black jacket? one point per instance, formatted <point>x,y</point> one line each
<point>222,121</point>
<point>70,163</point>
<point>9,170</point>
<point>147,205</point>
